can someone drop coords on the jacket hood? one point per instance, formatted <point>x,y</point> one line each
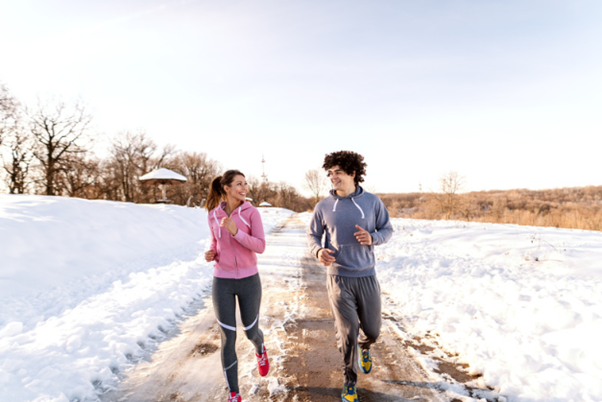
<point>356,194</point>
<point>218,213</point>
<point>359,191</point>
<point>245,205</point>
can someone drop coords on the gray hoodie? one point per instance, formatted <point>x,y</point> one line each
<point>336,217</point>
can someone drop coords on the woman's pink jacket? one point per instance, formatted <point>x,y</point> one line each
<point>235,255</point>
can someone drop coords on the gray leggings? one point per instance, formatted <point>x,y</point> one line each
<point>248,292</point>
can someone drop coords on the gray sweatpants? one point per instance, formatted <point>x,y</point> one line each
<point>224,292</point>
<point>356,307</point>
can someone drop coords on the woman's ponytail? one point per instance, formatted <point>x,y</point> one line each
<point>216,192</point>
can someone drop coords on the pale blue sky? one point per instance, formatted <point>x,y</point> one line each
<point>508,93</point>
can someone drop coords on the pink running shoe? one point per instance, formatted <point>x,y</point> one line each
<point>262,362</point>
<point>234,397</point>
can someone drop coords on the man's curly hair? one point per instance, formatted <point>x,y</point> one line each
<point>349,162</point>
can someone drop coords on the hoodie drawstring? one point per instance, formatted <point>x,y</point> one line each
<point>358,207</point>
<point>336,201</point>
<point>219,229</point>
<point>241,218</point>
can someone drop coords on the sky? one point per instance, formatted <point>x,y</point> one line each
<point>506,93</point>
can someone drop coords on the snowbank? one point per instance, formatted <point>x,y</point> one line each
<point>87,286</point>
<point>522,305</point>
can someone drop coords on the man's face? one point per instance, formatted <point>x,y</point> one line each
<point>340,180</point>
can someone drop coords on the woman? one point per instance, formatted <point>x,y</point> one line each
<point>236,235</point>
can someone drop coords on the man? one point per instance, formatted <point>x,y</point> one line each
<point>353,221</point>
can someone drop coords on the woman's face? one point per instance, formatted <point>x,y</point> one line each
<point>237,190</point>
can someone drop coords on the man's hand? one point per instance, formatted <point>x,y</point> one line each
<point>209,255</point>
<point>230,226</point>
<point>363,236</point>
<point>324,256</point>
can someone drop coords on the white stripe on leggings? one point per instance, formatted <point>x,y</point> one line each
<point>226,326</point>
<point>254,322</point>
<point>234,328</point>
<point>226,375</point>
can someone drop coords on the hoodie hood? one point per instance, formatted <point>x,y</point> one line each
<point>218,213</point>
<point>359,191</point>
<point>244,206</point>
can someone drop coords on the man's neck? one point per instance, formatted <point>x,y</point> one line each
<point>346,191</point>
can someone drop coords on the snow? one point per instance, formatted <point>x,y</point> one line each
<point>522,305</point>
<point>88,287</point>
<point>163,174</point>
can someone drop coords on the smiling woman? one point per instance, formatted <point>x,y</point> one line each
<point>235,275</point>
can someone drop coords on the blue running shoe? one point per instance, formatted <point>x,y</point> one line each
<point>364,360</point>
<point>349,394</point>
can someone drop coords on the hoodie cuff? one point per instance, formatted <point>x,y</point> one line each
<point>239,235</point>
<point>375,238</point>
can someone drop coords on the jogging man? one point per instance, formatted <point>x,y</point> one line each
<point>354,221</point>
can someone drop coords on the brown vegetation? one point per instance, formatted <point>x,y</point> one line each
<point>316,184</point>
<point>572,208</point>
<point>47,150</point>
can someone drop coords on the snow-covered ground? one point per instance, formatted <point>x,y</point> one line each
<point>87,286</point>
<point>522,305</point>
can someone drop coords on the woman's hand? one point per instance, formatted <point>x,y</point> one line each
<point>209,255</point>
<point>229,225</point>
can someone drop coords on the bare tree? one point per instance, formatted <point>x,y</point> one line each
<point>9,112</point>
<point>17,158</point>
<point>79,176</point>
<point>199,171</point>
<point>59,131</point>
<point>282,195</point>
<point>261,190</point>
<point>17,161</point>
<point>450,184</point>
<point>131,156</point>
<point>316,183</point>
<point>287,196</point>
<point>105,185</point>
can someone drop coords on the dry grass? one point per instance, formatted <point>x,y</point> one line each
<point>573,208</point>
